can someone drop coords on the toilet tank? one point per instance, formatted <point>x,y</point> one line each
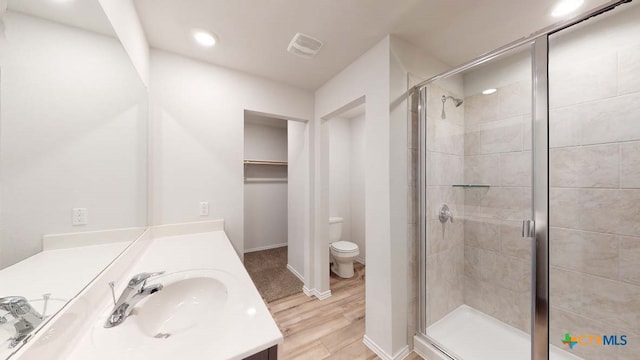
<point>335,229</point>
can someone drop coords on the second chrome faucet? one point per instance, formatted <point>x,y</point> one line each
<point>135,291</point>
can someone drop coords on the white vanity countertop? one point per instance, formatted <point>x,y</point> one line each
<point>245,333</point>
<point>62,273</point>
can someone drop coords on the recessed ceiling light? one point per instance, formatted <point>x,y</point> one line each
<point>204,38</point>
<point>488,91</point>
<point>565,7</point>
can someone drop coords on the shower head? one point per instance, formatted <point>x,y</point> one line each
<point>457,102</point>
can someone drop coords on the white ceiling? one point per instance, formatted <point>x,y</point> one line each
<point>84,14</point>
<point>254,34</point>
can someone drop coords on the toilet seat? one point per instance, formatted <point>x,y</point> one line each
<point>344,247</point>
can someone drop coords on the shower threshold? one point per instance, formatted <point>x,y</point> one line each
<point>474,335</point>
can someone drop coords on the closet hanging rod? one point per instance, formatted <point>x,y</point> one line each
<point>261,162</point>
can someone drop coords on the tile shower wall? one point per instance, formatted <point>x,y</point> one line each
<point>497,152</point>
<point>445,244</point>
<point>595,198</point>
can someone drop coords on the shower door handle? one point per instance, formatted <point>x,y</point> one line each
<point>528,228</point>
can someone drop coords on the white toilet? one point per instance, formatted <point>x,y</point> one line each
<point>342,253</point>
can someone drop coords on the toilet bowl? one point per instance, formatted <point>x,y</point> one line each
<point>342,253</point>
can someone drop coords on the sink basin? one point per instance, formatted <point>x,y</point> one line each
<point>190,304</point>
<point>181,304</point>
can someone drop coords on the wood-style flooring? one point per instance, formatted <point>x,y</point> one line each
<point>325,329</point>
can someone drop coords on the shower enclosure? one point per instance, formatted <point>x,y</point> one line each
<point>530,197</point>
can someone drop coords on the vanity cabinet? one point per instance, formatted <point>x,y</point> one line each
<point>268,354</point>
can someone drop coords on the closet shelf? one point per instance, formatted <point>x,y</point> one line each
<point>264,162</point>
<point>471,185</point>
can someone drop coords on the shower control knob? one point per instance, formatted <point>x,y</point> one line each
<point>445,214</point>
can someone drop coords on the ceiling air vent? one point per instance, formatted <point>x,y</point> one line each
<point>304,46</point>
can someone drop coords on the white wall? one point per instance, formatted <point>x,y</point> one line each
<point>298,207</point>
<point>264,142</point>
<point>265,201</point>
<point>367,76</point>
<point>124,18</point>
<point>73,134</point>
<point>346,178</point>
<point>358,183</point>
<point>340,173</point>
<point>380,75</point>
<point>197,113</point>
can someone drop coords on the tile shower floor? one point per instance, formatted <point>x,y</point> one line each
<point>471,334</point>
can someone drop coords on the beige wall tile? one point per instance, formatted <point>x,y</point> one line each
<point>564,207</point>
<point>565,127</point>
<point>445,136</point>
<point>610,211</point>
<point>586,252</point>
<point>506,203</point>
<point>472,141</point>
<point>603,121</point>
<point>502,136</point>
<point>473,289</point>
<point>611,302</point>
<point>512,242</point>
<point>482,169</point>
<point>444,169</point>
<point>511,273</point>
<point>481,108</point>
<point>565,289</point>
<point>445,280</point>
<point>629,70</point>
<point>594,76</point>
<point>482,233</point>
<point>443,237</point>
<point>515,169</point>
<point>515,99</point>
<point>509,307</point>
<point>630,165</point>
<point>527,133</point>
<point>632,349</point>
<point>630,259</point>
<point>585,166</point>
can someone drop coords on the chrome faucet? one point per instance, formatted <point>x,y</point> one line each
<point>135,291</point>
<point>28,318</point>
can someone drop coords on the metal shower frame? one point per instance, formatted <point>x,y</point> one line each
<point>539,43</point>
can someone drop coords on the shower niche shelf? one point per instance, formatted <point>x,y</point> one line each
<point>468,186</point>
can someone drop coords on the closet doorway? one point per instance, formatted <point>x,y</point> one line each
<point>267,249</point>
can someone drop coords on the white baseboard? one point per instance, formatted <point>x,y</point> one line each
<point>307,291</point>
<point>403,353</point>
<point>316,293</point>
<point>266,247</point>
<point>296,273</point>
<point>426,350</point>
<point>360,260</point>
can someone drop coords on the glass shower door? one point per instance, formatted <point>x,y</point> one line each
<point>478,191</point>
<point>594,174</point>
